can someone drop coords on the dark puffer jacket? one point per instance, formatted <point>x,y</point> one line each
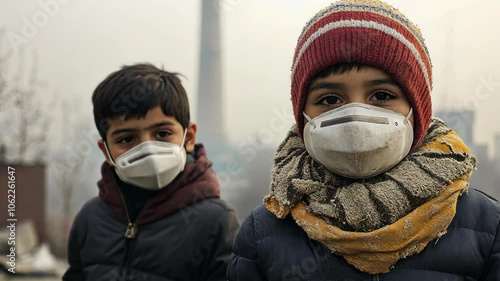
<point>271,249</point>
<point>183,233</point>
<point>192,244</point>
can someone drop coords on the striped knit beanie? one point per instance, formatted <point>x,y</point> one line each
<point>368,32</point>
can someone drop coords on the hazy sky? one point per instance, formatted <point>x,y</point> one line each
<point>81,41</point>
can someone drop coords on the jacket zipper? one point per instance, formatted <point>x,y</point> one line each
<point>130,234</point>
<point>376,278</point>
<point>131,231</point>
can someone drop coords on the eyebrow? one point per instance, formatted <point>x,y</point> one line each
<point>133,130</point>
<point>382,81</point>
<point>327,85</point>
<point>341,86</point>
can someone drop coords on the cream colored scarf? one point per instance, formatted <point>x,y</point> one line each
<point>374,222</point>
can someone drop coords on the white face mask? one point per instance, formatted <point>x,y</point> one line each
<point>151,165</point>
<point>358,140</point>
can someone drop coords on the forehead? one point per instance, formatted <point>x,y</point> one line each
<point>153,116</point>
<point>355,74</point>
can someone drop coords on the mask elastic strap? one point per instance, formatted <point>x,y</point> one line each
<point>309,119</point>
<point>184,138</point>
<point>109,154</point>
<point>407,119</point>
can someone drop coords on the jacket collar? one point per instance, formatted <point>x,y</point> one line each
<point>196,183</point>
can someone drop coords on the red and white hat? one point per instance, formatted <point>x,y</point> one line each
<point>368,32</point>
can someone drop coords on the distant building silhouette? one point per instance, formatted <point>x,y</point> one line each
<point>461,121</point>
<point>29,188</point>
<point>496,154</point>
<point>3,154</point>
<point>487,176</point>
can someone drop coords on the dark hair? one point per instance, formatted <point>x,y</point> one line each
<point>135,89</point>
<point>338,69</point>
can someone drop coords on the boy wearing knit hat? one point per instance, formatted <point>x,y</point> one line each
<point>367,185</point>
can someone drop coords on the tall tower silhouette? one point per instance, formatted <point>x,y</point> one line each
<point>210,106</point>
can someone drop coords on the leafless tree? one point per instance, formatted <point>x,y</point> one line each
<point>5,54</point>
<point>27,111</point>
<point>70,166</point>
<point>23,116</point>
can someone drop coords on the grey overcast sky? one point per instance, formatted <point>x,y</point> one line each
<point>84,40</point>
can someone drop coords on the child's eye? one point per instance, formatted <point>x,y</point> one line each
<point>128,139</point>
<point>328,100</point>
<point>162,134</point>
<point>382,95</point>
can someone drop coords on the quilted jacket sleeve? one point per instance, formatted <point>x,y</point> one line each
<point>493,267</point>
<point>226,227</point>
<point>244,263</point>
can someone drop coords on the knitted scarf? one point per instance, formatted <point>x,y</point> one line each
<point>373,222</point>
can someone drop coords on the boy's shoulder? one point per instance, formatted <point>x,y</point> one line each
<point>261,224</point>
<point>93,204</point>
<point>475,199</point>
<point>90,213</point>
<point>477,210</point>
<point>94,208</point>
<point>209,210</point>
<point>212,206</point>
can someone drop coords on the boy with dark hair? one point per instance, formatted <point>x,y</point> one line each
<point>367,185</point>
<point>158,215</point>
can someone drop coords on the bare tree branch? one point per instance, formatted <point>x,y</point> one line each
<point>20,107</point>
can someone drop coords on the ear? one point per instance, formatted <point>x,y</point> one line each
<point>102,147</point>
<point>190,137</point>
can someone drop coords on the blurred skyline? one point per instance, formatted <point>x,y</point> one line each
<point>78,43</point>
